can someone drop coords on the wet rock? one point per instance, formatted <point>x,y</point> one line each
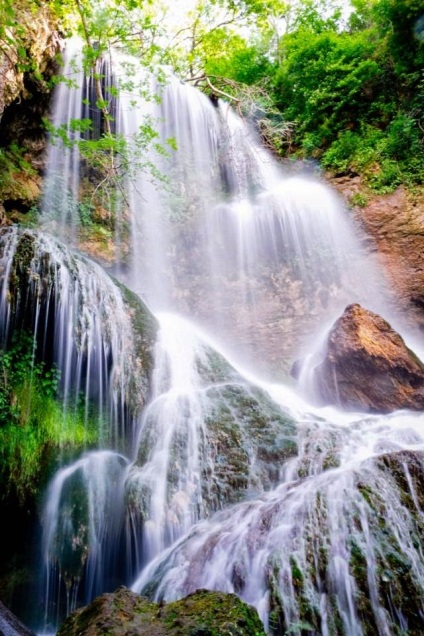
<point>368,366</point>
<point>339,550</point>
<point>244,440</point>
<point>10,625</point>
<point>203,613</point>
<point>249,438</point>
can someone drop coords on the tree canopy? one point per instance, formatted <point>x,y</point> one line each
<point>344,87</point>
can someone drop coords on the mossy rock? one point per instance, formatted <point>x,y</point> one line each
<point>145,328</point>
<point>203,613</point>
<point>249,439</point>
<point>364,521</point>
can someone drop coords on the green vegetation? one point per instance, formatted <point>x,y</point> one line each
<point>347,92</point>
<point>354,92</point>
<point>32,422</point>
<point>203,613</point>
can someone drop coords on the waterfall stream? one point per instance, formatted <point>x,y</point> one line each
<point>226,480</point>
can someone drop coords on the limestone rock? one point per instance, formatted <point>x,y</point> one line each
<point>41,41</point>
<point>203,613</point>
<point>368,366</point>
<point>394,224</point>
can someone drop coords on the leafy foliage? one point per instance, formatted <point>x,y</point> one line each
<point>347,91</point>
<point>356,94</point>
<point>32,422</point>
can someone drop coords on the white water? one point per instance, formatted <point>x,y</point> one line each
<point>237,244</point>
<point>60,198</point>
<point>258,258</point>
<point>261,258</point>
<point>84,507</point>
<point>250,549</point>
<point>174,417</point>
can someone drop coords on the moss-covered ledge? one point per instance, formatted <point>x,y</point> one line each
<point>202,613</point>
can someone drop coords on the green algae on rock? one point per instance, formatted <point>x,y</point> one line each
<point>203,613</point>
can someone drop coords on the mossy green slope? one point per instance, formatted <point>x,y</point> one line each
<point>203,613</point>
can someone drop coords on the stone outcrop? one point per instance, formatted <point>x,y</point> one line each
<point>368,366</point>
<point>203,613</point>
<point>394,224</point>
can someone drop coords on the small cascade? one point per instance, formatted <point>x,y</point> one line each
<point>167,472</point>
<point>83,531</point>
<point>197,448</point>
<point>328,551</point>
<point>61,192</point>
<point>73,199</point>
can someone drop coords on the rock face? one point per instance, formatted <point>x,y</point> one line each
<point>203,613</point>
<point>27,64</point>
<point>394,224</point>
<point>368,366</point>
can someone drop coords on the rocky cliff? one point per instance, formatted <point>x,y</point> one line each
<point>394,224</point>
<point>29,54</point>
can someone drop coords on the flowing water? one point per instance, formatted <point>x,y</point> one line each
<point>314,516</point>
<point>78,318</point>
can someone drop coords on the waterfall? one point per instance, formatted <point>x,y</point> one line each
<point>220,479</point>
<point>312,550</point>
<point>218,213</point>
<point>78,319</point>
<point>198,449</point>
<point>83,525</point>
<point>81,326</point>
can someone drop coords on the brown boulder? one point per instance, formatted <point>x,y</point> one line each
<point>367,366</point>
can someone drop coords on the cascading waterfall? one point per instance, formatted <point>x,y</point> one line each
<point>192,431</point>
<point>175,416</point>
<point>268,248</point>
<point>72,308</point>
<point>317,553</point>
<point>218,213</point>
<point>81,326</point>
<point>312,515</point>
<point>83,521</point>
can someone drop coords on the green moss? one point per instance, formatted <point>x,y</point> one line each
<point>145,328</point>
<point>296,573</point>
<point>203,613</point>
<point>212,614</point>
